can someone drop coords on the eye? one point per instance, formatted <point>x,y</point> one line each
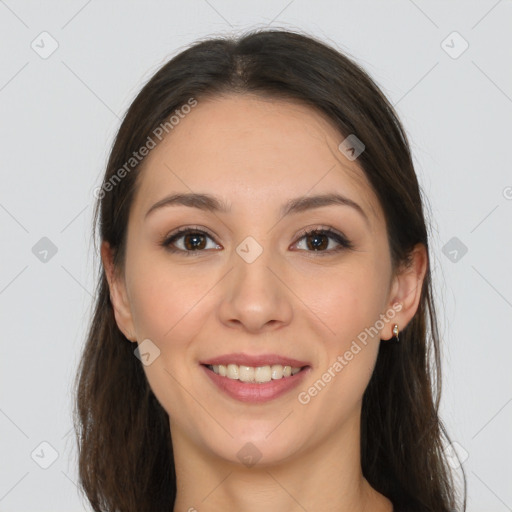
<point>189,239</point>
<point>318,240</point>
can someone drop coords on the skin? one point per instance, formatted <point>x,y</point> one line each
<point>292,300</point>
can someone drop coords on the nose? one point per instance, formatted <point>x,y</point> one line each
<point>255,296</point>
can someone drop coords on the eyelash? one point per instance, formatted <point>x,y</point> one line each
<point>343,242</point>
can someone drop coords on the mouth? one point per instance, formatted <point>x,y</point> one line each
<point>255,384</point>
<point>255,374</point>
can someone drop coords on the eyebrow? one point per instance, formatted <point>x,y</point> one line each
<point>212,203</point>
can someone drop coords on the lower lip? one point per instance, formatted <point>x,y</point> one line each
<point>253,392</point>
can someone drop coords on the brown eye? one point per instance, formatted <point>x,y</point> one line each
<point>318,240</point>
<point>193,241</point>
<point>188,240</point>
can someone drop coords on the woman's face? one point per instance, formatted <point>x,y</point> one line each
<point>247,281</point>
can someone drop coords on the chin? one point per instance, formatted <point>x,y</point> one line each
<point>256,448</point>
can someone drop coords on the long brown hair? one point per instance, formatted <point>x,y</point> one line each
<point>125,450</point>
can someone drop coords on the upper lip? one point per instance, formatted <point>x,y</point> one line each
<point>241,359</point>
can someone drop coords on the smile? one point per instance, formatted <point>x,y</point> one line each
<point>274,381</point>
<point>260,374</point>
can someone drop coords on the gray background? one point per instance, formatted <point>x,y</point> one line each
<point>58,118</point>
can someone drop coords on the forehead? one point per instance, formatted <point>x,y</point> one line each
<point>251,151</point>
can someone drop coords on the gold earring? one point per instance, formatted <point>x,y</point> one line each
<point>395,338</point>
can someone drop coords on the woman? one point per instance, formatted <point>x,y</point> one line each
<point>264,332</point>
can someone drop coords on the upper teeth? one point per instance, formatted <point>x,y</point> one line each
<point>252,374</point>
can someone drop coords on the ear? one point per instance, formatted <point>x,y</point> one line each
<point>118,295</point>
<point>406,290</point>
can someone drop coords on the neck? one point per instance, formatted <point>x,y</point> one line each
<point>326,477</point>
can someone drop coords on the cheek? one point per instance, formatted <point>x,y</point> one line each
<point>349,301</point>
<point>164,299</point>
<point>169,308</point>
<point>348,354</point>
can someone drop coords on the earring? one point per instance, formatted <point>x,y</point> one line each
<point>395,338</point>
